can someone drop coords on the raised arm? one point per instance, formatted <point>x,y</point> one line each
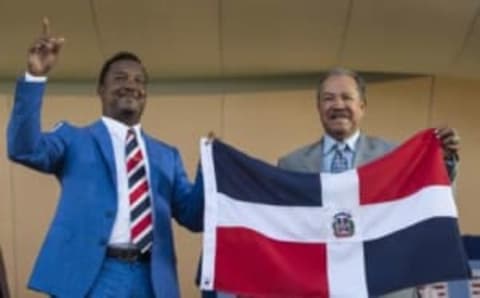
<point>26,143</point>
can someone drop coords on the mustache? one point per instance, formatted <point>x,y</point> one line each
<point>337,113</point>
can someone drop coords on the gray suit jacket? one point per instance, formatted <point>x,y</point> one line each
<point>308,159</point>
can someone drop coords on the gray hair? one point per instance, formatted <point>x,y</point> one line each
<point>339,71</point>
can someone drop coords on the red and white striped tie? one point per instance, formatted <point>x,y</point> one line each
<point>141,231</point>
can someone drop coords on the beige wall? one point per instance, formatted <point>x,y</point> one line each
<point>266,123</point>
<point>456,103</point>
<point>7,242</point>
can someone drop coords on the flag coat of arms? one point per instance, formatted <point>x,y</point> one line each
<point>388,225</point>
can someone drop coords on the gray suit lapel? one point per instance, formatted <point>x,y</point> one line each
<point>313,158</point>
<point>363,153</point>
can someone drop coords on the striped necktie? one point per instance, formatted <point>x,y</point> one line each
<point>339,160</point>
<point>141,231</point>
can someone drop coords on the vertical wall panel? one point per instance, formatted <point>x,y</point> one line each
<point>389,35</point>
<point>281,36</point>
<point>6,199</point>
<point>35,198</point>
<point>269,124</point>
<point>397,109</point>
<point>173,37</point>
<point>457,105</point>
<point>181,120</point>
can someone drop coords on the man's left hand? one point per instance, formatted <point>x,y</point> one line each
<point>450,141</point>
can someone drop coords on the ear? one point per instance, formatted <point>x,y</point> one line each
<point>364,104</point>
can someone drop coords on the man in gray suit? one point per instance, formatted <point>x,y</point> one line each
<point>341,103</point>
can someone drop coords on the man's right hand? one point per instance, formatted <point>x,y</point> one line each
<point>43,54</point>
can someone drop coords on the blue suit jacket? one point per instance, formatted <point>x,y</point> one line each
<point>82,160</point>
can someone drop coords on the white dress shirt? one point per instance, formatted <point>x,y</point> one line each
<point>34,79</point>
<point>328,150</point>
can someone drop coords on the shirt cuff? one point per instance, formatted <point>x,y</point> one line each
<point>34,79</point>
<point>451,161</point>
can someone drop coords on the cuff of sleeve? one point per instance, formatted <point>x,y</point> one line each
<point>34,79</point>
<point>451,160</point>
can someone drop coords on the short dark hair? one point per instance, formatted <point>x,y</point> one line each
<point>340,71</point>
<point>123,55</point>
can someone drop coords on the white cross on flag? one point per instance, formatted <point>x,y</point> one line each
<point>388,225</point>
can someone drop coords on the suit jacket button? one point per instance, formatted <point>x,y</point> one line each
<point>103,242</point>
<point>109,214</point>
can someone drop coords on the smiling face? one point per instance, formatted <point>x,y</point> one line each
<point>123,91</point>
<point>340,106</point>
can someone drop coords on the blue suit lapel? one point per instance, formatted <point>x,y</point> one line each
<point>154,157</point>
<point>104,142</point>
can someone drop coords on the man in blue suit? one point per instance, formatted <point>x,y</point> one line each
<point>111,235</point>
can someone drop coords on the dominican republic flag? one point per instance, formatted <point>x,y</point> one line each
<point>384,226</point>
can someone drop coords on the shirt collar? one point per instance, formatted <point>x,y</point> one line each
<point>350,142</point>
<point>119,129</point>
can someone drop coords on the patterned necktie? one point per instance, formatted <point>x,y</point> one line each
<point>141,231</point>
<point>339,160</point>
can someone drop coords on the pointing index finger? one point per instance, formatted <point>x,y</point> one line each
<point>46,27</point>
